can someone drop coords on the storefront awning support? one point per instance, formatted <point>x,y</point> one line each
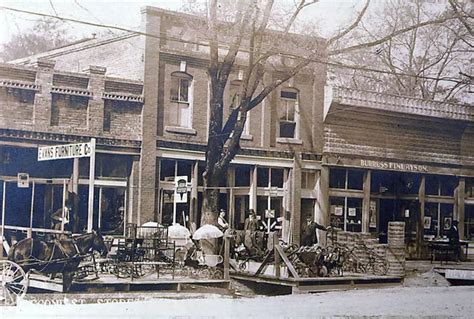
<point>90,212</point>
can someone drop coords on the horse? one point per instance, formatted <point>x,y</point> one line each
<point>57,256</point>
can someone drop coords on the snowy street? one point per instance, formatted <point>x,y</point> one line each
<point>396,301</point>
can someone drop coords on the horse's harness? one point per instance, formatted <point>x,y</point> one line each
<point>56,243</point>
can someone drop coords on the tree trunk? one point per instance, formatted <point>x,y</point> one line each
<point>210,206</point>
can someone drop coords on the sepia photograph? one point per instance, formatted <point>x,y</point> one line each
<point>236,159</point>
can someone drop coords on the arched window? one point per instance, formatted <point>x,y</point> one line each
<point>181,99</point>
<point>288,113</point>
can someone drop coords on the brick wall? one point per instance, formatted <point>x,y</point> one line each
<point>71,110</point>
<point>17,108</point>
<point>125,119</point>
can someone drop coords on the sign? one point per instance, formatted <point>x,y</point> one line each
<point>23,180</point>
<point>459,274</point>
<point>181,189</point>
<point>351,211</point>
<point>46,153</point>
<point>394,166</point>
<point>269,213</point>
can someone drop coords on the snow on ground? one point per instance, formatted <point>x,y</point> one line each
<point>395,302</point>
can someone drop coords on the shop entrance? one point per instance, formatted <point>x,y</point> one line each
<point>405,210</point>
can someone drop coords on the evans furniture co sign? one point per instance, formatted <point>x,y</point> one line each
<point>394,166</point>
<point>64,151</point>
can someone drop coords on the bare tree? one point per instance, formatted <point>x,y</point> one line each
<point>44,35</point>
<point>429,61</point>
<point>247,32</point>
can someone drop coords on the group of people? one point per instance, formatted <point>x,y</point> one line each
<point>309,235</point>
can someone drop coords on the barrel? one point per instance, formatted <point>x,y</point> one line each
<point>396,234</point>
<point>396,261</point>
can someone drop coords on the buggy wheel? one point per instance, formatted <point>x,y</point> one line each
<point>380,269</point>
<point>323,271</point>
<point>14,282</point>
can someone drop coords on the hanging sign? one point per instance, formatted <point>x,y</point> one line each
<point>65,151</point>
<point>23,180</point>
<point>181,189</point>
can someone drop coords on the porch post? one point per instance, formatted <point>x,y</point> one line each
<point>90,211</point>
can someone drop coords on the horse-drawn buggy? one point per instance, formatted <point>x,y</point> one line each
<point>59,256</point>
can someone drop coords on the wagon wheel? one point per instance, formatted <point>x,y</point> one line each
<point>14,282</point>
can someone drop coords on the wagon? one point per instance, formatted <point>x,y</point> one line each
<point>15,277</point>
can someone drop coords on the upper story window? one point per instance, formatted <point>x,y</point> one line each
<point>288,113</point>
<point>181,99</point>
<point>235,100</point>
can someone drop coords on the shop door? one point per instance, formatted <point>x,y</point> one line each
<point>387,213</point>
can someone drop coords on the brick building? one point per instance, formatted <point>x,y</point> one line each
<point>329,157</point>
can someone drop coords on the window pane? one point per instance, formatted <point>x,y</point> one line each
<point>287,129</point>
<point>355,179</point>
<point>262,177</point>
<point>242,176</point>
<point>174,89</point>
<point>166,170</point>
<point>289,95</point>
<point>431,185</point>
<point>448,184</point>
<point>277,177</point>
<point>470,187</point>
<point>183,90</point>
<point>337,178</point>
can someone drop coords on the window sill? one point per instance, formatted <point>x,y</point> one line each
<point>287,140</point>
<point>180,130</point>
<point>246,137</point>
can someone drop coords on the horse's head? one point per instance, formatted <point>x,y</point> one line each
<point>99,245</point>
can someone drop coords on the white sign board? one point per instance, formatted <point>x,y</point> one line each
<point>23,180</point>
<point>181,189</point>
<point>459,274</point>
<point>46,153</point>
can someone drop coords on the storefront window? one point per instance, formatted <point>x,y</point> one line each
<point>346,213</point>
<point>167,170</point>
<point>242,176</point>
<point>430,223</point>
<point>185,169</point>
<point>409,183</point>
<point>470,187</point>
<point>276,177</point>
<point>337,178</point>
<point>447,185</point>
<point>440,185</point>
<point>469,222</point>
<point>262,177</point>
<point>446,218</point>
<point>308,180</point>
<point>355,179</point>
<point>383,182</point>
<point>431,185</point>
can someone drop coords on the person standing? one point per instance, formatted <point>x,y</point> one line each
<point>310,237</point>
<point>251,223</point>
<point>453,236</point>
<point>221,222</point>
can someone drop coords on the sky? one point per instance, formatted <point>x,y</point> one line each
<point>329,14</point>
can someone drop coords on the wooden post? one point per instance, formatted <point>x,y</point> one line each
<point>366,202</point>
<point>75,192</point>
<point>226,257</point>
<point>30,231</point>
<point>3,216</point>
<point>90,210</point>
<point>277,256</point>
<point>461,206</point>
<point>420,227</point>
<point>63,205</point>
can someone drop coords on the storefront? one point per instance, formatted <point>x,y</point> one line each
<point>427,203</point>
<point>32,191</point>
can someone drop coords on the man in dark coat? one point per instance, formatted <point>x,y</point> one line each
<point>310,237</point>
<point>453,236</point>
